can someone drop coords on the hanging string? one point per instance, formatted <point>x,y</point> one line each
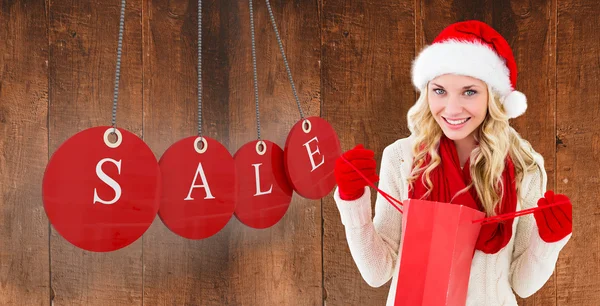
<point>118,68</point>
<point>254,67</point>
<point>285,61</point>
<point>386,196</point>
<point>200,68</point>
<point>519,213</point>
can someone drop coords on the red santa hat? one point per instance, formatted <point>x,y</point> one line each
<point>473,48</point>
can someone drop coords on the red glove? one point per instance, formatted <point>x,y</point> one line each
<point>554,223</point>
<point>351,184</point>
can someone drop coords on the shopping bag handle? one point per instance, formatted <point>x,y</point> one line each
<point>488,220</point>
<point>519,213</point>
<point>388,197</point>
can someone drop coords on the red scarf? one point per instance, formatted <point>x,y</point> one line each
<point>448,179</point>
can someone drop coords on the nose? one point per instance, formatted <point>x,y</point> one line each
<point>453,106</point>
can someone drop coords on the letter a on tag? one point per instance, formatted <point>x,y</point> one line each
<point>200,173</point>
<point>198,187</point>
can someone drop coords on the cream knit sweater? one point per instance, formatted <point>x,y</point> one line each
<point>524,265</point>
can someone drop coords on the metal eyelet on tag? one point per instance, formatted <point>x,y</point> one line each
<point>204,145</point>
<point>119,138</point>
<point>306,126</point>
<point>264,147</point>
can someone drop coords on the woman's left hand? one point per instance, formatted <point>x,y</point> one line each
<point>554,223</point>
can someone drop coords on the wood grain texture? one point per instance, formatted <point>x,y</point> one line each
<point>368,47</point>
<point>578,148</point>
<point>238,266</point>
<point>351,62</point>
<point>24,267</point>
<point>280,265</point>
<point>531,34</point>
<point>83,43</point>
<point>178,271</point>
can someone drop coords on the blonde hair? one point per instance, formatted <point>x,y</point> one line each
<point>496,139</point>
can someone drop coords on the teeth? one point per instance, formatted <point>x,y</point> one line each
<point>456,122</point>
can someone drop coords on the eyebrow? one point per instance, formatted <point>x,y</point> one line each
<point>464,87</point>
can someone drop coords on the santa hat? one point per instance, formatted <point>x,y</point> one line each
<point>472,48</point>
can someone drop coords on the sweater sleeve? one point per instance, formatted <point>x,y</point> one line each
<point>533,259</point>
<point>374,243</point>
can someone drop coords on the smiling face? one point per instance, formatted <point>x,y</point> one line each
<point>458,104</point>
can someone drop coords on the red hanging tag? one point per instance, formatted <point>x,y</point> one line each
<point>198,187</point>
<point>311,149</point>
<point>99,195</point>
<point>264,193</point>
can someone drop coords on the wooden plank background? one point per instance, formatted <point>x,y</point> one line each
<point>82,48</point>
<point>24,228</point>
<point>368,47</point>
<point>351,62</point>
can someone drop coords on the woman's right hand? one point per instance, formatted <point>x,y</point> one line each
<point>351,184</point>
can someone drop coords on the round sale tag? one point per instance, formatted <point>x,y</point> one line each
<point>102,195</point>
<point>198,187</point>
<point>264,193</point>
<point>311,149</point>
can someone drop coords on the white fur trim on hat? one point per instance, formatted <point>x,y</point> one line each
<point>463,58</point>
<point>472,59</point>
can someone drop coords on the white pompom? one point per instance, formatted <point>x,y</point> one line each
<point>515,104</point>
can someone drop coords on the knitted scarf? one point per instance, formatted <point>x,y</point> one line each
<point>448,179</point>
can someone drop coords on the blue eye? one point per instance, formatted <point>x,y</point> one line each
<point>439,91</point>
<point>470,92</point>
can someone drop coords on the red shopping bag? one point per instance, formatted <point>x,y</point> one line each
<point>437,246</point>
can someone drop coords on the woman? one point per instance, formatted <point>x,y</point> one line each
<point>461,150</point>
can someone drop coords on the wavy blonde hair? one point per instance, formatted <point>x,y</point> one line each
<point>496,139</point>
